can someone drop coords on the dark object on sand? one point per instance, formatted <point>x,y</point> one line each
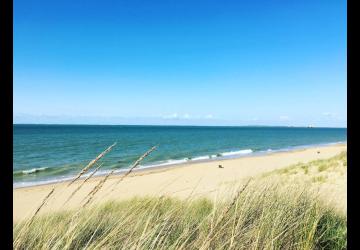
<point>318,152</point>
<point>221,166</point>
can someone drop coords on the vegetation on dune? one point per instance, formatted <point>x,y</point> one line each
<point>262,217</point>
<point>315,168</point>
<point>265,214</point>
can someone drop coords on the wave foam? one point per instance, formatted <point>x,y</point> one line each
<point>199,158</point>
<point>33,170</point>
<point>165,163</point>
<point>239,152</point>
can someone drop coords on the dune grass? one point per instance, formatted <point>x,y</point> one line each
<point>266,214</point>
<point>337,163</point>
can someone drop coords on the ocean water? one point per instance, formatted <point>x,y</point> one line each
<point>47,153</point>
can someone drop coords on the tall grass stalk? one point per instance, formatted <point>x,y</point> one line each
<point>78,187</point>
<point>92,193</point>
<point>91,163</point>
<point>136,163</point>
<point>28,223</point>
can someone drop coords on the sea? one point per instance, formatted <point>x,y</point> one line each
<point>52,153</point>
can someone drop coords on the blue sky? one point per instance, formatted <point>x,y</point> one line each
<point>180,62</point>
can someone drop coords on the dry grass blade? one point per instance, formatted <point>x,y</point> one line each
<point>91,163</point>
<point>83,171</point>
<point>92,193</point>
<point>78,188</point>
<point>101,183</point>
<point>225,211</point>
<point>41,205</point>
<point>136,163</point>
<point>227,208</point>
<point>27,225</point>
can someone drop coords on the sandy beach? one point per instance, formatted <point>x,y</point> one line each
<point>193,179</point>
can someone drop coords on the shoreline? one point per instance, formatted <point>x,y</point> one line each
<point>197,179</point>
<point>160,166</point>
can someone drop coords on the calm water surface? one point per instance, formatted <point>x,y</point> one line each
<point>44,153</point>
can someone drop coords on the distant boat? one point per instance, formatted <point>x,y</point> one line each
<point>310,126</point>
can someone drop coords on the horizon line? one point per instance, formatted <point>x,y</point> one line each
<point>173,125</point>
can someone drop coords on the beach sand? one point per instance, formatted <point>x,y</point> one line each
<point>193,179</point>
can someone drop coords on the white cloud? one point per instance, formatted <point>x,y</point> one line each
<point>176,116</point>
<point>284,118</point>
<point>172,116</point>
<point>326,113</point>
<point>187,116</point>
<point>331,115</point>
<point>209,116</point>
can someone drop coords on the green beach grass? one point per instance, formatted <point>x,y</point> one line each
<point>271,212</point>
